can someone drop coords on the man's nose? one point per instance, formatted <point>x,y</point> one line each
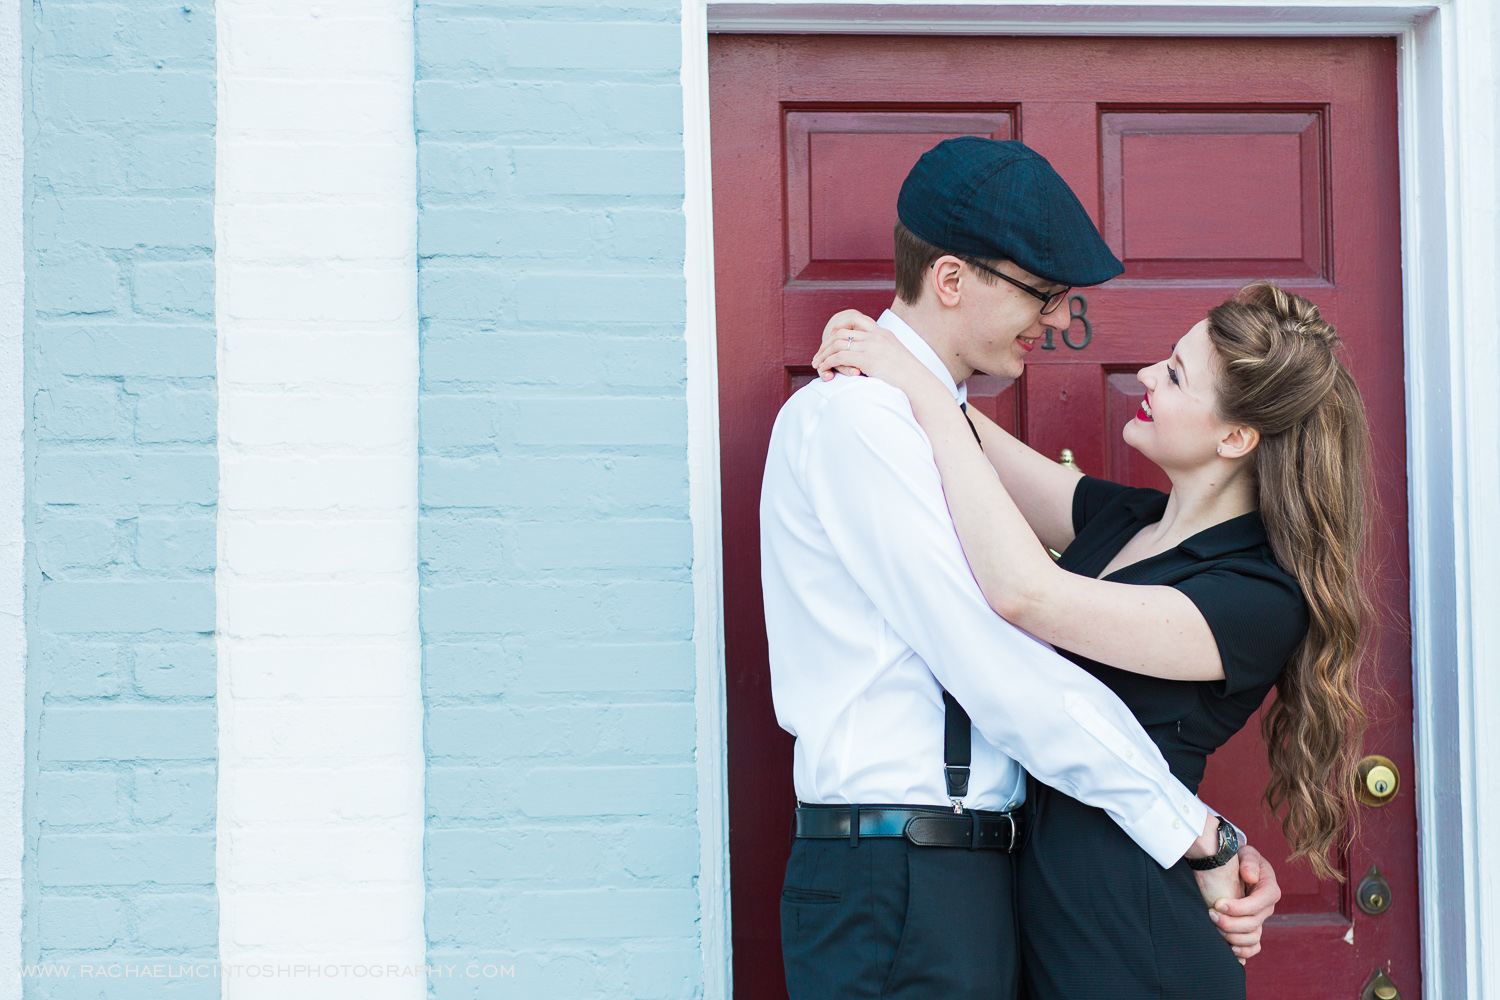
<point>1058,319</point>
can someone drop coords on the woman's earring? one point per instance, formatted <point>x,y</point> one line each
<point>1219,451</point>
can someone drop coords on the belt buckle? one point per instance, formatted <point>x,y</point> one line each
<point>1012,817</point>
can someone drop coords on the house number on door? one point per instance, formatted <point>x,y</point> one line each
<point>1078,308</point>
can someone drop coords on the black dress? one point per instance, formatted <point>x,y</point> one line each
<point>1098,917</point>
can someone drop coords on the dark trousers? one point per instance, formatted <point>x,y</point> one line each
<point>890,919</point>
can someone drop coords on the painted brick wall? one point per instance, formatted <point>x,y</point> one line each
<point>555,546</point>
<point>121,484</point>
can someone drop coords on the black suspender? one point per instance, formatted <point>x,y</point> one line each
<point>957,730</point>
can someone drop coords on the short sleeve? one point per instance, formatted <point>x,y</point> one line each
<point>1257,616</point>
<point>1090,497</point>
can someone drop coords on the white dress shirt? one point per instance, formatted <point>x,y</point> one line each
<point>872,611</point>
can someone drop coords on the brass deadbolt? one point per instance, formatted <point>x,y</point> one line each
<point>1373,894</point>
<point>1377,780</point>
<point>1066,460</point>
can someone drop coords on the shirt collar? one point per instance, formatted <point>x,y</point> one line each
<point>1237,534</point>
<point>912,341</point>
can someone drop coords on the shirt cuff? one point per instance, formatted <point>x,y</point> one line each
<point>1165,832</point>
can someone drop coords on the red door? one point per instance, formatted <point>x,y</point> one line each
<point>1206,164</point>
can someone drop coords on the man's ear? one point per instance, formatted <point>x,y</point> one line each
<point>1239,442</point>
<point>946,278</point>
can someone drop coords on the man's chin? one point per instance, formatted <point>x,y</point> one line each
<point>1005,368</point>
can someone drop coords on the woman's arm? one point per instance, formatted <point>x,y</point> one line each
<point>1042,488</point>
<point>1156,631</point>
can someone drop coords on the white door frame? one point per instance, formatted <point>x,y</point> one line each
<point>1450,225</point>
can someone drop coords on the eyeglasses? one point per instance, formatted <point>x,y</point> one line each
<point>1049,302</point>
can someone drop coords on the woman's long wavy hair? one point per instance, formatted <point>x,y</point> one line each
<point>1280,375</point>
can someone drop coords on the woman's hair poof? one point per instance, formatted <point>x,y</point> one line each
<point>914,256</point>
<point>1280,375</point>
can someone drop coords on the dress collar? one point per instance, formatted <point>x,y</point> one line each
<point>1237,534</point>
<point>912,341</point>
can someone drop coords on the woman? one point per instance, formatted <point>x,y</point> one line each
<point>1190,605</point>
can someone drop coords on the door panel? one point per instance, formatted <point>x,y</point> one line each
<point>1207,163</point>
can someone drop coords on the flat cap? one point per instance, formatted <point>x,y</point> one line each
<point>1002,200</point>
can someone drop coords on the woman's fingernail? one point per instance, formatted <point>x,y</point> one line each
<point>1213,916</point>
<point>1223,907</point>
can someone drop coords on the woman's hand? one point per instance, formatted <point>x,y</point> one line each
<point>853,344</point>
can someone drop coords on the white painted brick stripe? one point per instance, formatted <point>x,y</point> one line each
<point>320,716</point>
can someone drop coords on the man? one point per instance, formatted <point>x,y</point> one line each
<point>900,881</point>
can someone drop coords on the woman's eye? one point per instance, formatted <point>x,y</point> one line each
<point>1172,374</point>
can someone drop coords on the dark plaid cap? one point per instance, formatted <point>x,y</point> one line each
<point>1002,200</point>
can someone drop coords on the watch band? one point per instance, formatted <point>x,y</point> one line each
<point>1229,846</point>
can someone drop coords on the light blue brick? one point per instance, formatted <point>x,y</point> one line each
<point>583,359</point>
<point>82,921</point>
<point>473,544</point>
<point>604,298</point>
<point>75,162</point>
<point>123,859</point>
<point>78,798</point>
<point>600,485</point>
<point>466,670</point>
<point>66,543</point>
<point>177,543</point>
<point>604,545</point>
<point>493,733</point>
<point>609,913</point>
<point>118,477</point>
<point>126,606</point>
<point>538,855</point>
<point>183,287</point>
<point>459,170</point>
<point>661,973</point>
<point>178,670</point>
<point>470,230</point>
<point>73,287</point>
<point>463,47</point>
<point>132,99</point>
<point>468,421</point>
<point>467,916</point>
<point>655,234</point>
<point>466,292</point>
<point>151,978</point>
<point>576,667</point>
<point>69,668</point>
<point>122,223</point>
<point>659,789</point>
<point>78,412</point>
<point>649,607</point>
<point>178,34</point>
<point>469,793</point>
<point>159,351</point>
<point>177,796</point>
<point>598,422</point>
<point>176,415</point>
<point>84,31</point>
<point>594,45</point>
<point>619,172</point>
<point>654,851</point>
<point>171,161</point>
<point>176,920</point>
<point>107,732</point>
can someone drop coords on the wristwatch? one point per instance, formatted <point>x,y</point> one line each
<point>1229,846</point>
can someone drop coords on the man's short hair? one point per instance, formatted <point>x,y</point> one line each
<point>914,256</point>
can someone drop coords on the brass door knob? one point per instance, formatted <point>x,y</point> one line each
<point>1066,460</point>
<point>1378,781</point>
<point>1379,987</point>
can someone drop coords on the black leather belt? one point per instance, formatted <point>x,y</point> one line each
<point>925,826</point>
